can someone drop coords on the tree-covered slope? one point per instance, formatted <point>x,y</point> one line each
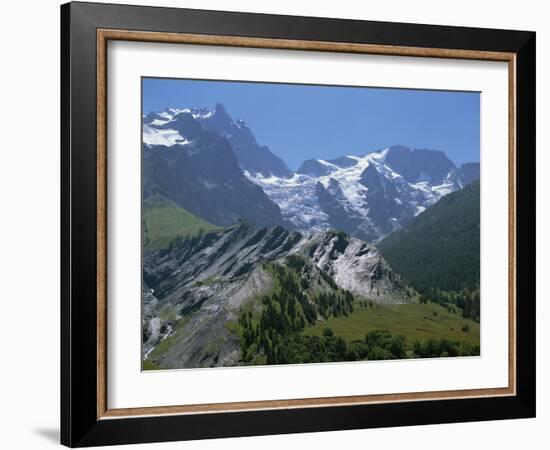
<point>439,248</point>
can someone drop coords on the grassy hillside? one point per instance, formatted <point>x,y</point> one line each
<point>163,220</point>
<point>439,248</point>
<point>413,321</point>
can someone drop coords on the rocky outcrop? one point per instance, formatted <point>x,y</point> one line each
<point>355,266</point>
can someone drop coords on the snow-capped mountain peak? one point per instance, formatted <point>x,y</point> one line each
<point>177,127</point>
<point>363,195</point>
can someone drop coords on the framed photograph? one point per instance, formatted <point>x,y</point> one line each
<point>276,224</point>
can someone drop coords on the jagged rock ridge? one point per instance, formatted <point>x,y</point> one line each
<point>198,286</point>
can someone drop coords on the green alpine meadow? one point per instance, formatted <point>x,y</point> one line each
<point>336,244</point>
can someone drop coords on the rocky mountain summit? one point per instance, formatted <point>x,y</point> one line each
<point>195,290</point>
<point>197,169</point>
<point>182,125</point>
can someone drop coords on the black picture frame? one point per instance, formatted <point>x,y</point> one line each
<point>80,425</point>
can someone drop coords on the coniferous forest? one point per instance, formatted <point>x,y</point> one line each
<point>438,251</point>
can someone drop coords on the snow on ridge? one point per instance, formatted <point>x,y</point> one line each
<point>240,124</point>
<point>167,137</point>
<point>444,189</point>
<point>349,181</point>
<point>171,113</point>
<point>297,198</point>
<point>419,209</point>
<point>158,122</point>
<point>328,164</point>
<point>199,114</point>
<point>153,134</point>
<point>195,112</point>
<point>380,155</point>
<point>203,115</point>
<point>176,111</point>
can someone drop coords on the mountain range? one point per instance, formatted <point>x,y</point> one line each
<point>244,259</point>
<point>212,166</point>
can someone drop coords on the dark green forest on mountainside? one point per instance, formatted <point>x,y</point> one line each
<point>438,251</point>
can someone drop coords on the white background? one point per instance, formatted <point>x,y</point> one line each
<point>29,95</point>
<point>128,387</point>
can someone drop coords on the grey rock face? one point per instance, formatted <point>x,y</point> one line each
<point>150,325</point>
<point>252,157</point>
<point>419,164</point>
<point>465,174</point>
<point>332,202</point>
<point>313,168</point>
<point>316,168</point>
<point>202,284</point>
<point>343,162</point>
<point>383,200</point>
<point>355,266</point>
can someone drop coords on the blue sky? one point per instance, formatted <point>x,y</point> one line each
<point>299,122</point>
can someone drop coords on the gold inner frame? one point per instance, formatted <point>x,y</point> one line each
<point>104,35</point>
